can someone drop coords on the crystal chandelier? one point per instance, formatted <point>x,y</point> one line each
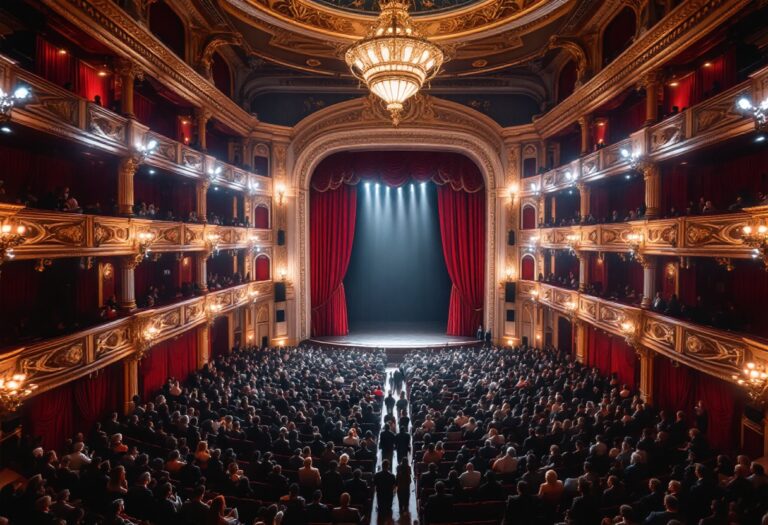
<point>13,391</point>
<point>754,377</point>
<point>393,60</point>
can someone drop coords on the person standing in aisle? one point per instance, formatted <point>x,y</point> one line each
<point>385,483</point>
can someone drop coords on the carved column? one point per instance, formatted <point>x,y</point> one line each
<point>581,340</point>
<point>585,193</point>
<point>130,382</point>
<point>652,179</point>
<point>201,200</point>
<point>582,271</point>
<point>203,345</point>
<point>201,259</point>
<point>127,286</point>
<point>651,83</point>
<point>127,72</point>
<point>125,172</point>
<point>645,358</point>
<point>585,123</point>
<point>649,280</point>
<point>202,116</point>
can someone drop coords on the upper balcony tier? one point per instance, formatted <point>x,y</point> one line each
<point>711,121</point>
<point>58,234</point>
<point>60,112</point>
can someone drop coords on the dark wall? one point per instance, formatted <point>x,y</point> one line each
<point>397,271</point>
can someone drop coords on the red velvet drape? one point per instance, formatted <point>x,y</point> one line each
<point>462,227</point>
<point>262,268</point>
<point>611,355</point>
<point>220,337</point>
<point>90,84</point>
<point>679,388</point>
<point>261,217</point>
<point>332,231</point>
<point>529,218</point>
<point>97,396</point>
<point>528,266</point>
<point>171,358</point>
<point>396,168</point>
<point>55,64</point>
<point>50,416</point>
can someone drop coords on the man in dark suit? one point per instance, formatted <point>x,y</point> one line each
<point>344,513</point>
<point>403,443</point>
<point>139,501</point>
<point>522,508</point>
<point>387,443</point>
<point>584,509</point>
<point>439,506</point>
<point>357,488</point>
<point>385,482</point>
<point>194,511</point>
<point>428,479</point>
<point>317,511</point>
<point>662,517</point>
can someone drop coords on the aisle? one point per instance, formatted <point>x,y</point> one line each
<point>412,515</point>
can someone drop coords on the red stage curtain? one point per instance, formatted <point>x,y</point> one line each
<point>673,386</point>
<point>55,66</point>
<point>182,355</point>
<point>527,272</point>
<point>529,218</point>
<point>261,217</point>
<point>50,416</point>
<point>396,168</point>
<point>462,228</point>
<point>718,76</point>
<point>262,268</point>
<point>596,270</point>
<point>611,355</point>
<point>680,96</point>
<point>623,361</point>
<point>90,84</point>
<point>566,82</point>
<point>332,224</point>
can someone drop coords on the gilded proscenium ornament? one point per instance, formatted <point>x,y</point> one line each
<point>393,59</point>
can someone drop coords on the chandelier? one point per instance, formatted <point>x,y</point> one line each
<point>754,377</point>
<point>393,60</point>
<point>13,391</point>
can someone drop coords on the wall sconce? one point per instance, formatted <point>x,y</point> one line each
<point>212,244</point>
<point>754,377</point>
<point>145,150</point>
<point>635,240</point>
<point>254,247</point>
<point>629,330</point>
<point>535,295</point>
<point>280,189</point>
<point>107,272</point>
<point>253,294</point>
<point>253,188</point>
<point>213,174</point>
<point>11,236</point>
<point>213,311</point>
<point>758,113</point>
<point>535,188</point>
<point>283,274</point>
<point>571,176</point>
<point>632,157</point>
<point>573,242</point>
<point>20,96</point>
<point>513,191</point>
<point>144,241</point>
<point>13,391</point>
<point>756,237</point>
<point>510,274</point>
<point>570,308</point>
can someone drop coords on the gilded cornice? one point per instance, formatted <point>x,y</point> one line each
<point>474,21</point>
<point>687,23</point>
<point>108,23</point>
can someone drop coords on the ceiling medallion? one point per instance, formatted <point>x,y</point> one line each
<point>393,59</point>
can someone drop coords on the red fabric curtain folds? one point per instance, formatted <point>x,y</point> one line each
<point>332,231</point>
<point>462,228</point>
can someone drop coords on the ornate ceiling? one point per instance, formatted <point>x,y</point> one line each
<point>480,36</point>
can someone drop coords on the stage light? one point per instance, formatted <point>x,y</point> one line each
<point>760,138</point>
<point>411,185</point>
<point>399,189</point>
<point>151,172</point>
<point>5,129</point>
<point>423,184</point>
<point>367,184</point>
<point>377,185</point>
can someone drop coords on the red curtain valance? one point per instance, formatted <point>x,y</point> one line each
<point>396,168</point>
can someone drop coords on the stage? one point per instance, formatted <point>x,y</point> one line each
<point>396,336</point>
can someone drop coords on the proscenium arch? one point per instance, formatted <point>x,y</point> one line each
<point>455,128</point>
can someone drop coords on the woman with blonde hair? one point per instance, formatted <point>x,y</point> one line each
<point>551,491</point>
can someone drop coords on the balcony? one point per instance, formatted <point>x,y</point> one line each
<point>694,236</point>
<point>56,361</point>
<point>57,234</point>
<point>713,120</point>
<point>716,352</point>
<point>60,112</point>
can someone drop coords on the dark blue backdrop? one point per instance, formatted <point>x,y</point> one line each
<point>397,271</point>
